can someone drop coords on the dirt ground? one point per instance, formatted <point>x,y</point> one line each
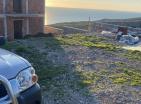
<point>73,72</point>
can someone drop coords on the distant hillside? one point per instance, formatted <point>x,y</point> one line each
<point>132,22</point>
<point>121,20</point>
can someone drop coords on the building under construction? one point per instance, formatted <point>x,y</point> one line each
<point>21,17</point>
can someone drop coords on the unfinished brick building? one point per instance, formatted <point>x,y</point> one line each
<point>21,17</point>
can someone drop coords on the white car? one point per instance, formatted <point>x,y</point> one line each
<point>18,81</point>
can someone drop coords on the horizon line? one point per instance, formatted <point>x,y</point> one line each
<point>93,9</point>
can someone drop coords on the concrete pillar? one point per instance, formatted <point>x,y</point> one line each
<point>27,6</point>
<point>27,26</point>
<point>27,19</point>
<point>5,19</point>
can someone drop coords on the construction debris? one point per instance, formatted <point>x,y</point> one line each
<point>124,36</point>
<point>106,32</point>
<point>129,39</point>
<point>124,30</point>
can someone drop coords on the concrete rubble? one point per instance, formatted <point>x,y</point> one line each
<point>126,37</point>
<point>129,39</point>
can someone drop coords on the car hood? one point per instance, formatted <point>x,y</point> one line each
<point>11,64</point>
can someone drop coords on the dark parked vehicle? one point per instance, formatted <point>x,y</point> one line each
<point>18,80</point>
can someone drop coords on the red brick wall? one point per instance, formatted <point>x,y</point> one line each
<point>10,22</point>
<point>10,28</point>
<point>9,6</point>
<point>36,25</point>
<point>24,26</point>
<point>1,27</point>
<point>36,6</point>
<point>23,6</point>
<point>1,6</point>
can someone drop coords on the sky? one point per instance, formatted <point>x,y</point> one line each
<point>119,5</point>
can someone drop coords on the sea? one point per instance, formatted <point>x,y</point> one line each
<point>58,15</point>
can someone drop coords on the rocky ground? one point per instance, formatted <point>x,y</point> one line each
<point>80,69</point>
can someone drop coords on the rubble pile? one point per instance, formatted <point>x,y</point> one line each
<point>125,37</point>
<point>129,39</point>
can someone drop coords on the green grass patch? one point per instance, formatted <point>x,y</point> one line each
<point>101,45</point>
<point>133,55</point>
<point>85,78</point>
<point>120,78</point>
<point>127,76</point>
<point>80,40</point>
<point>51,72</point>
<point>10,46</point>
<point>15,47</point>
<point>53,43</point>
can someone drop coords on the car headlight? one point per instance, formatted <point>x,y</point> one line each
<point>26,78</point>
